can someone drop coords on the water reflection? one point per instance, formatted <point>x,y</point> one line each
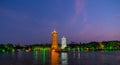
<point>78,55</point>
<point>35,55</point>
<point>64,58</point>
<point>54,58</point>
<point>40,56</point>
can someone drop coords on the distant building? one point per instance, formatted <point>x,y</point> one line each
<point>63,42</point>
<point>54,40</point>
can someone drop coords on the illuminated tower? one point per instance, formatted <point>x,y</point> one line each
<point>63,40</point>
<point>54,40</point>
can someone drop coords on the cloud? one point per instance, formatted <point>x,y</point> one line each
<point>79,10</point>
<point>79,6</point>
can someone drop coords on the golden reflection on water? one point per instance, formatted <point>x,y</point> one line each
<point>54,58</point>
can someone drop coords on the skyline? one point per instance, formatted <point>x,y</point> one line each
<point>30,21</point>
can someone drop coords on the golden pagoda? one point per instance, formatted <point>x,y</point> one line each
<point>54,40</point>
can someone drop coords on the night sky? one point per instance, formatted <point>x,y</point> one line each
<point>32,21</point>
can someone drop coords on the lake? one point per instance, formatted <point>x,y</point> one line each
<point>63,58</point>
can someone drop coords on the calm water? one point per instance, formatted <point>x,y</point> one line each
<point>53,58</point>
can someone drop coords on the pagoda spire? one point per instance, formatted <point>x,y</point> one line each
<point>54,30</point>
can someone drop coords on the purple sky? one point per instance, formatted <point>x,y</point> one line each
<point>32,21</point>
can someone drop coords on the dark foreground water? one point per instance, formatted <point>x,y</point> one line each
<point>53,58</point>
